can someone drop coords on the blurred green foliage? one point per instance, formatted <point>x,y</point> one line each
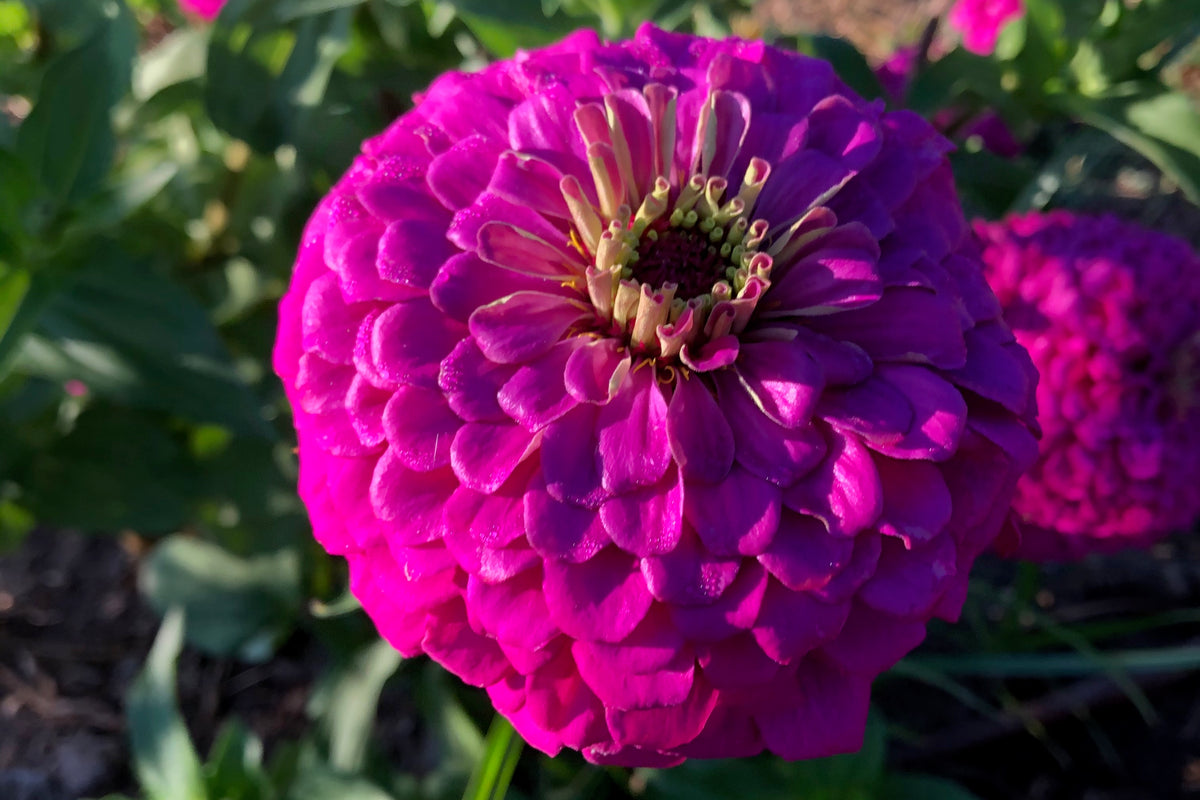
<point>155,176</point>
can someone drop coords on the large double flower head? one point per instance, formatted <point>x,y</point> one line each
<point>653,387</point>
<point>1110,312</point>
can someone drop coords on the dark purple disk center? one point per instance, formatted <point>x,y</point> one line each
<point>681,256</point>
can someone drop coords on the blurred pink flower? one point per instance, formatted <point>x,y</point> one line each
<point>208,9</point>
<point>75,388</point>
<point>656,387</point>
<point>981,21</point>
<point>1110,313</point>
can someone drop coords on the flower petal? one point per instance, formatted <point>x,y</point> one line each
<point>700,439</point>
<point>843,491</point>
<point>939,414</point>
<point>804,555</point>
<point>792,624</point>
<point>409,341</point>
<point>647,521</point>
<point>484,454</point>
<point>558,530</point>
<point>420,427</point>
<point>737,516</point>
<point>522,326</point>
<point>596,370</point>
<point>602,599</point>
<point>632,434</point>
<point>784,380</point>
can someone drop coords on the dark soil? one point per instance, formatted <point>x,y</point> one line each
<point>73,634</point>
<point>74,631</point>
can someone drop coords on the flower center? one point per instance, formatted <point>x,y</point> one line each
<point>685,267</point>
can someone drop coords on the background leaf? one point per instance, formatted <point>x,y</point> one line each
<point>68,137</point>
<point>166,763</point>
<point>133,335</point>
<point>234,606</point>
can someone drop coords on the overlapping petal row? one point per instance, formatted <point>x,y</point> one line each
<point>1110,313</point>
<point>654,387</point>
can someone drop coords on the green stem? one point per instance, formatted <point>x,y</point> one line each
<point>502,751</point>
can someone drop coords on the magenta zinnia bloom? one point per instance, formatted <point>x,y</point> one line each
<point>649,386</point>
<point>981,21</point>
<point>1110,313</point>
<point>208,9</point>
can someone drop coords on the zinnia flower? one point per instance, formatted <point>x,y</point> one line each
<point>1110,313</point>
<point>981,21</point>
<point>650,386</point>
<point>208,9</point>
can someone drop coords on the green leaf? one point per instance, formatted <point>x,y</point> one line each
<point>925,787</point>
<point>957,74</point>
<point>457,738</point>
<point>346,703</point>
<point>133,335</point>
<point>503,27</point>
<point>179,57</point>
<point>18,189</point>
<point>15,524</point>
<point>14,284</point>
<point>116,469</point>
<point>849,64</point>
<point>1147,661</point>
<point>853,776</point>
<point>234,770</point>
<point>234,606</point>
<point>164,759</point>
<point>68,137</point>
<point>1162,125</point>
<point>288,10</point>
<point>988,183</point>
<point>263,80</point>
<point>319,782</point>
<point>502,751</point>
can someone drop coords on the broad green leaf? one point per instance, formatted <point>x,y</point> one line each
<point>1162,125</point>
<point>68,138</point>
<point>921,787</point>
<point>264,78</point>
<point>117,469</point>
<point>164,759</point>
<point>234,606</point>
<point>177,58</point>
<point>131,334</point>
<point>234,770</point>
<point>18,190</point>
<point>959,73</point>
<point>116,201</point>
<point>346,702</point>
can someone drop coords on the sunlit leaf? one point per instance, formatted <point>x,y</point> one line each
<point>233,605</point>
